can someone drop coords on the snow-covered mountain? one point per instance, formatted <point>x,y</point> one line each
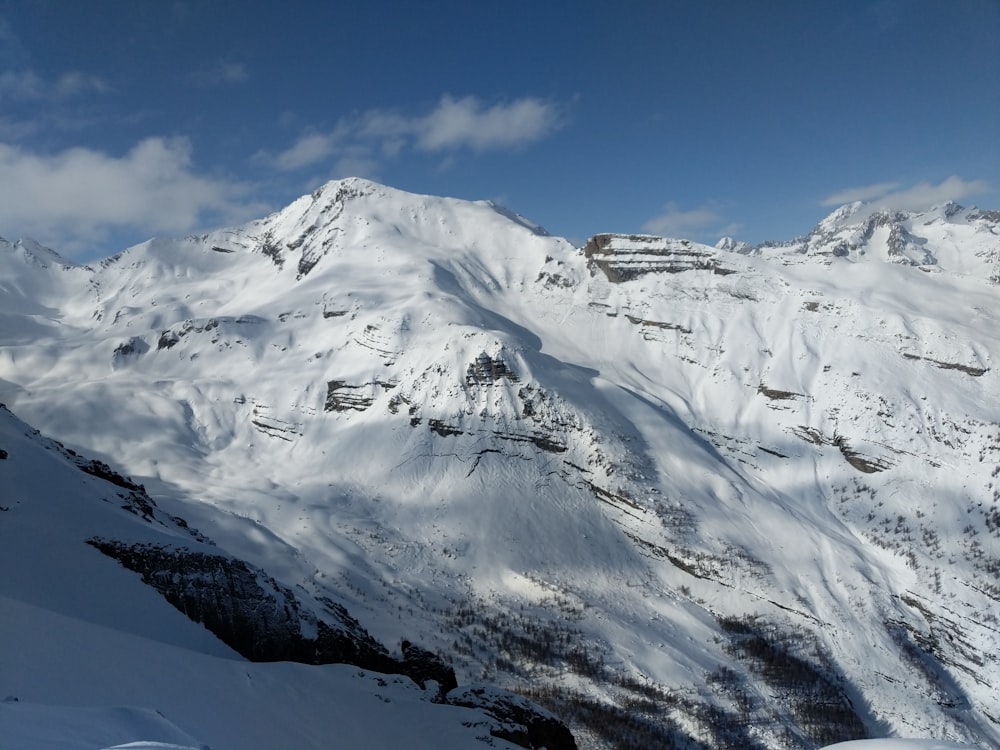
<point>694,496</point>
<point>96,657</point>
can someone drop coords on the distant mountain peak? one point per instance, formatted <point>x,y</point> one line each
<point>848,213</point>
<point>34,252</point>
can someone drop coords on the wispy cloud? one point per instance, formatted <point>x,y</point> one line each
<point>221,73</point>
<point>863,193</point>
<point>27,85</point>
<point>467,123</point>
<point>81,195</point>
<point>452,125</point>
<point>914,198</point>
<point>309,149</point>
<point>701,222</point>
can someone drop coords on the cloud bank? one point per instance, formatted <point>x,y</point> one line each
<point>701,222</point>
<point>452,125</point>
<point>921,196</point>
<point>80,194</point>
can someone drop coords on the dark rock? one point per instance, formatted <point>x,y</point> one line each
<point>442,429</point>
<point>518,720</point>
<point>626,257</point>
<point>342,396</point>
<point>423,666</point>
<point>247,609</point>
<point>168,339</point>
<point>102,470</point>
<point>135,346</point>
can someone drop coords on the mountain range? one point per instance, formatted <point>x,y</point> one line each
<point>678,495</point>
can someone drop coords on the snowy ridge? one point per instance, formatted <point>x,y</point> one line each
<point>946,237</point>
<point>92,640</point>
<point>693,485</point>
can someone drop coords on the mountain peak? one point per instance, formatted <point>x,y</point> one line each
<point>551,463</point>
<point>36,253</point>
<point>849,212</point>
<point>349,186</point>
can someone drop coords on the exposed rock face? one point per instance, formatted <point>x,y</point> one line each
<point>136,346</point>
<point>518,720</point>
<point>487,370</point>
<point>264,621</point>
<point>423,666</point>
<point>859,229</point>
<point>247,609</point>
<point>625,257</point>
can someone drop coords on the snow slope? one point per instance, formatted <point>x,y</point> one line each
<point>713,487</point>
<point>96,659</point>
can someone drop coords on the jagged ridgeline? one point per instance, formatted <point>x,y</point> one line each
<point>683,496</point>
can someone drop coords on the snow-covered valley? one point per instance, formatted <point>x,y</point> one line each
<point>742,496</point>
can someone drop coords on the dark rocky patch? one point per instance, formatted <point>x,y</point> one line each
<point>866,464</point>
<point>103,471</point>
<point>306,263</point>
<point>776,395</point>
<point>342,396</point>
<point>809,688</point>
<point>135,346</point>
<point>423,666</point>
<point>271,249</point>
<point>810,434</point>
<point>247,609</point>
<point>647,255</point>
<point>773,453</point>
<point>442,429</point>
<point>486,370</point>
<point>657,324</point>
<point>517,719</point>
<point>975,372</point>
<point>168,340</point>
<point>170,337</point>
<point>273,427</point>
<point>547,443</point>
<point>265,621</point>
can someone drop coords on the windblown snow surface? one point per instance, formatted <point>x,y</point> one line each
<point>735,496</point>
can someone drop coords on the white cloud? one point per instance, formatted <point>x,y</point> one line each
<point>452,125</point>
<point>466,123</point>
<point>309,149</point>
<point>75,83</point>
<point>81,194</point>
<point>926,194</point>
<point>676,222</point>
<point>865,193</point>
<point>917,197</point>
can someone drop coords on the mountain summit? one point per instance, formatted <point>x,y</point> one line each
<point>680,495</point>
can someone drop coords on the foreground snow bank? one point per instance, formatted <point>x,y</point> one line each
<point>898,744</point>
<point>30,726</point>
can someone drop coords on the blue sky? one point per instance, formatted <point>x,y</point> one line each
<point>120,120</point>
